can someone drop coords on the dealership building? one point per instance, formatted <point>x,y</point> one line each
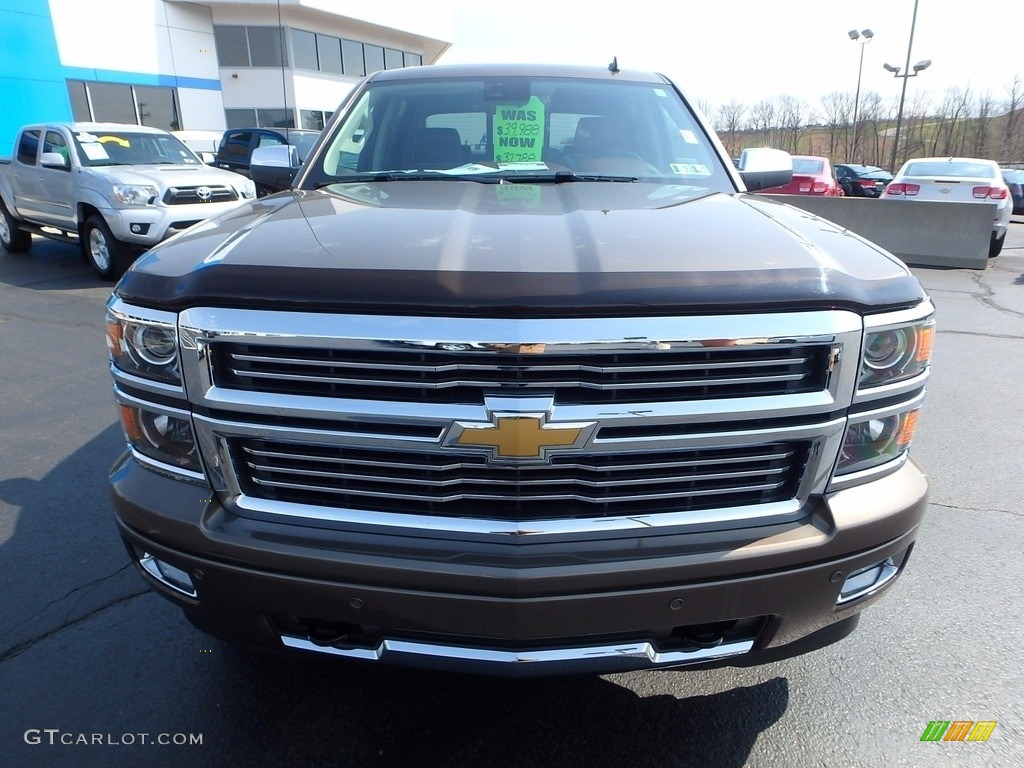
<point>206,65</point>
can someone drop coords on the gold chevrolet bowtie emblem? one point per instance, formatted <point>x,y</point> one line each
<point>521,436</point>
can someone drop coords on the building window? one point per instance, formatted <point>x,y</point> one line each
<point>374,55</point>
<point>232,46</point>
<point>132,104</point>
<point>304,50</point>
<point>266,46</point>
<point>393,59</point>
<point>112,103</point>
<point>80,109</point>
<point>240,118</point>
<point>313,119</point>
<point>413,59</point>
<point>329,50</point>
<point>250,46</point>
<point>275,118</point>
<point>352,54</point>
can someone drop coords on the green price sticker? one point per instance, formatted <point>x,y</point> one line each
<point>519,132</point>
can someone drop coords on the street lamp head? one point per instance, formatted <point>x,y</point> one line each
<point>891,68</point>
<point>867,33</point>
<point>924,64</point>
<point>854,34</point>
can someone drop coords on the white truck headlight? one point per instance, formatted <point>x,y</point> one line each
<point>135,194</point>
<point>247,190</point>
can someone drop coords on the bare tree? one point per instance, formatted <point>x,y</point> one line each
<point>980,141</point>
<point>838,109</point>
<point>729,122</point>
<point>763,119</point>
<point>1012,149</point>
<point>791,122</point>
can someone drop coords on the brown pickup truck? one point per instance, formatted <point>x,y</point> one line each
<point>519,380</point>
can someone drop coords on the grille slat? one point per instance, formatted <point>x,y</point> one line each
<point>190,195</point>
<point>533,498</point>
<point>466,375</point>
<point>581,486</point>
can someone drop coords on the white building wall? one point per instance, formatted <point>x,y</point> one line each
<point>201,110</point>
<point>109,34</point>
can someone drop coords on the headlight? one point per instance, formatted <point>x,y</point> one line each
<point>146,347</point>
<point>135,194</point>
<point>896,353</point>
<point>873,441</point>
<point>165,438</point>
<point>248,189</point>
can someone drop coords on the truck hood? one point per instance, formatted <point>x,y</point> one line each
<point>164,176</point>
<point>516,250</point>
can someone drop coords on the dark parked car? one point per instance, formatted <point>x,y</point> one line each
<point>237,145</point>
<point>862,180</point>
<point>1014,178</point>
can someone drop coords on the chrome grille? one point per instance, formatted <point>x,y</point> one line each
<point>453,484</point>
<point>190,195</point>
<point>463,374</point>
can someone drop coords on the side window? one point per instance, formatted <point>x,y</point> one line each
<point>55,142</point>
<point>28,147</point>
<point>270,140</point>
<point>236,145</point>
<point>348,152</point>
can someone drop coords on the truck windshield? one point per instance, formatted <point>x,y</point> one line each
<point>126,148</point>
<point>520,128</point>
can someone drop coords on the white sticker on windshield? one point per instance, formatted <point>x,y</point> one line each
<point>688,136</point>
<point>690,169</point>
<point>522,166</point>
<point>87,138</point>
<point>95,151</point>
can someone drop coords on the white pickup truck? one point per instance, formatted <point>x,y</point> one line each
<point>116,189</point>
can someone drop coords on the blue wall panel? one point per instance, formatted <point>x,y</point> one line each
<point>32,86</point>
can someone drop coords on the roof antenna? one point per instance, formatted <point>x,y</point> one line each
<point>614,66</point>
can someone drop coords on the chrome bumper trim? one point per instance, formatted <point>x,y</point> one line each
<point>542,662</point>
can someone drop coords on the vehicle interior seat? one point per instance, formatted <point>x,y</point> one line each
<point>435,148</point>
<point>600,145</point>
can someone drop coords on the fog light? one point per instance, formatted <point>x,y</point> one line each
<point>868,580</point>
<point>168,575</point>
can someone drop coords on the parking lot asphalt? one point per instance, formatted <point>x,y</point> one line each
<point>88,652</point>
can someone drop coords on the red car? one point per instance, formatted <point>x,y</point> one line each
<point>811,176</point>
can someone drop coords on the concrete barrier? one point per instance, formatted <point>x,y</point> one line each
<point>917,231</point>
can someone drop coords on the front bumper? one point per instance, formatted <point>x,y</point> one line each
<point>148,225</point>
<point>716,597</point>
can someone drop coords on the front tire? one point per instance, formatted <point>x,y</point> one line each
<point>105,253</point>
<point>995,245</point>
<point>12,239</point>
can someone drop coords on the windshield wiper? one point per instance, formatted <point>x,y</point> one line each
<point>560,177</point>
<point>411,176</point>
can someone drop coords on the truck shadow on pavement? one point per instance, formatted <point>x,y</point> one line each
<point>86,648</point>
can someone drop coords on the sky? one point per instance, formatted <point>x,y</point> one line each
<point>749,50</point>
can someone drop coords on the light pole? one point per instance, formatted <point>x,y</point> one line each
<point>921,65</point>
<point>862,38</point>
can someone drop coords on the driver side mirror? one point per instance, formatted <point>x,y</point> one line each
<point>764,168</point>
<point>53,160</point>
